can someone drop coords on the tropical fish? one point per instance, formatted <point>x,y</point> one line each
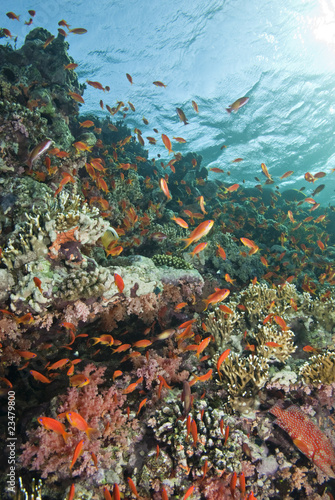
<point>287,174</point>
<point>86,124</point>
<point>222,357</point>
<point>180,222</point>
<point>79,422</point>
<point>38,150</point>
<point>76,97</point>
<point>129,78</point>
<point>71,492</point>
<point>237,104</point>
<point>119,282</point>
<point>182,116</point>
<point>167,143</point>
<point>78,31</point>
<point>58,364</point>
<point>164,187</point>
<point>77,452</point>
<point>221,252</point>
<point>53,425</point>
<point>200,231</point>
<point>48,41</point>
<point>159,84</point>
<point>13,16</point>
<point>132,487</point>
<point>218,296</point>
<point>195,106</point>
<point>38,376</point>
<point>232,188</point>
<point>199,248</point>
<point>179,139</point>
<point>71,66</point>
<point>79,380</point>
<point>38,283</point>
<point>96,85</point>
<point>307,437</point>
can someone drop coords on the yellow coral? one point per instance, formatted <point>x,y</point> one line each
<point>320,369</point>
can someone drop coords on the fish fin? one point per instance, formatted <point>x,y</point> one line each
<point>302,446</point>
<point>65,436</point>
<point>89,431</point>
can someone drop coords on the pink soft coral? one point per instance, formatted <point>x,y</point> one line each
<point>111,443</point>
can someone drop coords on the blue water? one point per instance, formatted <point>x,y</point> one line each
<point>280,54</point>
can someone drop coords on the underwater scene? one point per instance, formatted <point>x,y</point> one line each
<point>167,250</point>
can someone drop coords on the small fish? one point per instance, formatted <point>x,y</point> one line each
<point>38,150</point>
<point>232,188</point>
<point>222,357</point>
<point>159,84</point>
<point>287,174</point>
<point>58,364</point>
<point>86,124</point>
<point>180,222</point>
<point>119,282</point>
<point>167,143</point>
<point>96,85</point>
<point>13,16</point>
<point>71,66</point>
<point>53,425</point>
<point>188,492</point>
<point>76,97</point>
<point>182,116</point>
<point>32,13</point>
<point>199,248</point>
<point>142,403</point>
<point>79,422</point>
<point>129,78</point>
<point>233,482</point>
<point>237,104</point>
<point>142,343</point>
<point>38,283</point>
<point>195,106</point>
<point>79,380</point>
<point>78,31</point>
<point>71,492</point>
<point>218,296</point>
<point>48,41</point>
<point>25,354</point>
<point>179,139</point>
<point>132,487</point>
<point>38,376</point>
<point>77,452</point>
<point>309,348</point>
<point>202,346</point>
<point>226,309</point>
<point>132,386</point>
<point>199,232</point>
<point>216,170</point>
<point>164,187</point>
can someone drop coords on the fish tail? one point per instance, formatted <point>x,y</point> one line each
<point>188,240</point>
<point>89,431</point>
<point>229,110</point>
<point>65,436</point>
<point>207,304</point>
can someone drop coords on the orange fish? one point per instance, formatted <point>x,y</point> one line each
<point>179,139</point>
<point>86,124</point>
<point>287,174</point>
<point>81,146</point>
<point>104,339</point>
<point>117,373</point>
<point>96,85</point>
<point>188,492</point>
<point>233,188</point>
<point>226,309</point>
<point>119,282</point>
<point>164,187</point>
<point>195,106</point>
<point>167,143</point>
<point>129,78</point>
<point>309,348</point>
<point>79,422</point>
<point>142,403</point>
<point>229,279</point>
<point>133,487</point>
<point>132,386</point>
<point>159,84</point>
<point>53,425</point>
<point>142,343</point>
<point>71,492</point>
<point>25,354</point>
<point>280,322</point>
<point>38,376</point>
<point>202,346</point>
<point>76,97</point>
<point>48,41</point>
<point>237,104</point>
<point>13,16</point>
<point>199,248</point>
<point>221,252</point>
<point>58,364</point>
<point>200,231</point>
<point>71,66</point>
<point>76,453</point>
<point>222,357</point>
<point>217,296</point>
<point>180,222</point>
<point>122,348</point>
<point>78,31</point>
<point>79,380</point>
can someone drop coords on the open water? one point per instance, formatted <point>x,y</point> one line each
<point>279,54</point>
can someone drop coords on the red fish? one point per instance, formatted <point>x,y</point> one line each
<point>129,78</point>
<point>38,376</point>
<point>12,16</point>
<point>78,31</point>
<point>217,296</point>
<point>76,97</point>
<point>71,492</point>
<point>159,84</point>
<point>307,437</point>
<point>119,282</point>
<point>222,357</point>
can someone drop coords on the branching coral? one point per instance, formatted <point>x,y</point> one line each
<point>319,369</point>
